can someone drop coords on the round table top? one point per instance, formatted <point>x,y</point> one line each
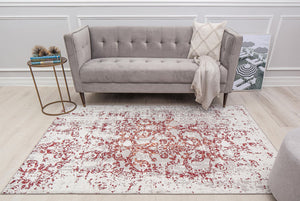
<point>63,60</point>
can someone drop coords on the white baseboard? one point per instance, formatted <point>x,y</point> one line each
<point>50,81</point>
<point>27,81</point>
<point>281,81</point>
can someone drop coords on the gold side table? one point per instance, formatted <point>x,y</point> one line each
<point>64,110</point>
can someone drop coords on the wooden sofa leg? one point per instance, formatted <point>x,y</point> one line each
<point>225,99</point>
<point>82,98</point>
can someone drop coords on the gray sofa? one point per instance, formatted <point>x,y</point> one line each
<point>142,60</point>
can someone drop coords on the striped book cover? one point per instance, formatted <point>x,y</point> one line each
<point>45,62</point>
<point>51,59</point>
<point>45,58</point>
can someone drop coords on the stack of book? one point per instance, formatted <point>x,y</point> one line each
<point>45,60</point>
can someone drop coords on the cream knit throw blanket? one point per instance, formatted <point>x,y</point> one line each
<point>206,81</point>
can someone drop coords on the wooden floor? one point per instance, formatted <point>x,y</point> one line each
<point>276,111</point>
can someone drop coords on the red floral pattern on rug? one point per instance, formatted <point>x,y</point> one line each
<point>149,149</point>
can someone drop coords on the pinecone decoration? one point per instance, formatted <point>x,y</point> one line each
<point>37,50</point>
<point>54,50</point>
<point>44,52</point>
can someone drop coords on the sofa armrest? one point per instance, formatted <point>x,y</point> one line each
<point>230,53</point>
<point>78,46</point>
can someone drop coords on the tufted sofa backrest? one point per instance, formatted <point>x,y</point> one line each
<point>159,42</point>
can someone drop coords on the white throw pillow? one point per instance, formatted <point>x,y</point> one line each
<point>206,39</point>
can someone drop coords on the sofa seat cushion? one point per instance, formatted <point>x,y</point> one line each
<point>141,70</point>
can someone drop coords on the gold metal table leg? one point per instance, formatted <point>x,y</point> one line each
<point>36,88</point>
<point>63,70</point>
<point>58,87</point>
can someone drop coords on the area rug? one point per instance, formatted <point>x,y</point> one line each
<point>150,149</point>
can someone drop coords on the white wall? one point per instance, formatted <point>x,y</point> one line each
<point>24,24</point>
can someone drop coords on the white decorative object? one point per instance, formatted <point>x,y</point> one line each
<point>206,39</point>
